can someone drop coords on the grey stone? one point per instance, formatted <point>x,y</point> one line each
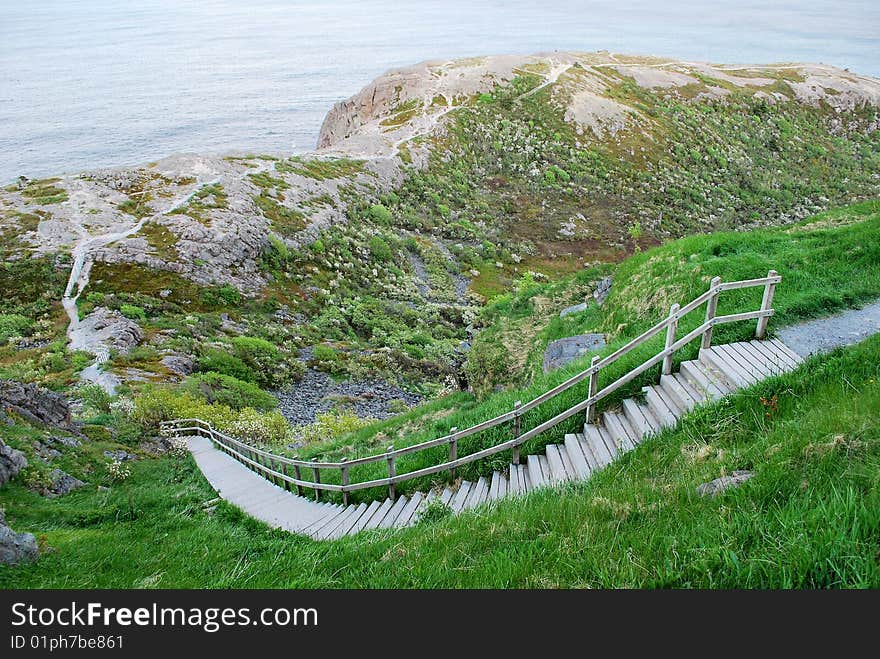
<point>577,308</point>
<point>178,364</point>
<point>34,403</point>
<point>563,351</point>
<point>16,547</point>
<point>719,485</point>
<point>603,288</point>
<point>12,461</point>
<point>47,453</point>
<point>108,328</point>
<point>69,442</point>
<point>62,483</point>
<point>120,455</point>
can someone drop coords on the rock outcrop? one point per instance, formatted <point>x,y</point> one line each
<point>34,403</point>
<point>16,547</point>
<point>12,461</point>
<point>108,329</point>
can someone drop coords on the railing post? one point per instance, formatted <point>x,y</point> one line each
<point>298,474</point>
<point>711,308</point>
<point>392,472</point>
<point>344,469</point>
<point>766,305</point>
<point>286,476</point>
<point>453,451</point>
<point>671,329</point>
<point>592,389</point>
<point>517,429</point>
<point>317,481</point>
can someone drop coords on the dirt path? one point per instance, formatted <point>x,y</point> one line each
<point>825,334</point>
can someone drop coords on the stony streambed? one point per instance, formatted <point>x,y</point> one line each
<point>318,392</point>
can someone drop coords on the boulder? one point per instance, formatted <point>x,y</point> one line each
<point>120,456</point>
<point>577,308</point>
<point>16,547</point>
<point>719,485</point>
<point>62,483</point>
<point>563,351</point>
<point>603,288</point>
<point>34,403</point>
<point>12,461</point>
<point>178,364</point>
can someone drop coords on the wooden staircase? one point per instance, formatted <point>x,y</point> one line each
<point>719,371</point>
<point>270,486</point>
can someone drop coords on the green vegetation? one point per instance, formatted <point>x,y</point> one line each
<point>285,221</point>
<point>322,169</point>
<point>45,192</point>
<point>203,200</point>
<point>807,519</point>
<point>229,391</point>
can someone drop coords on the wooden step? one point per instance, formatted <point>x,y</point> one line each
<point>478,494</point>
<point>365,518</point>
<point>719,362</point>
<point>557,467</point>
<point>637,419</point>
<point>536,474</point>
<point>461,496</point>
<point>594,461</point>
<point>697,397</point>
<point>576,456</point>
<point>596,438</point>
<point>784,349</point>
<point>566,462</point>
<point>754,363</point>
<point>498,488</point>
<point>777,361</point>
<point>328,530</point>
<point>676,392</point>
<point>379,515</point>
<point>393,514</point>
<point>738,363</point>
<point>702,380</point>
<point>513,482</point>
<point>725,385</point>
<point>408,515</point>
<point>346,525</point>
<point>618,431</point>
<point>447,495</point>
<point>660,407</point>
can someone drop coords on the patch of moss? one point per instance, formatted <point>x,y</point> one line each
<point>161,239</point>
<point>321,170</point>
<point>45,192</point>
<point>285,221</point>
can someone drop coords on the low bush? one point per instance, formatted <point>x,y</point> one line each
<point>227,390</point>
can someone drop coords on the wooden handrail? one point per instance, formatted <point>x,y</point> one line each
<point>251,455</point>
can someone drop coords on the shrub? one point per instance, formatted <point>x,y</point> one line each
<point>378,213</point>
<point>330,425</point>
<point>227,390</point>
<point>226,295</point>
<point>14,325</point>
<point>379,249</point>
<point>218,361</point>
<point>487,364</point>
<point>157,404</point>
<point>95,397</point>
<point>133,312</point>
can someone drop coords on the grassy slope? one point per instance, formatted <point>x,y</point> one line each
<point>827,262</point>
<point>810,517</point>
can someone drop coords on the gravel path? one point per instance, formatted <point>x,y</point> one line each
<point>825,334</point>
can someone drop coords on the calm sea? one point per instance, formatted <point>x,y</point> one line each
<point>93,83</point>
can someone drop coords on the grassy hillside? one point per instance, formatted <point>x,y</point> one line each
<point>810,517</point>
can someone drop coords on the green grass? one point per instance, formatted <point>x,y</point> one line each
<point>322,169</point>
<point>285,221</point>
<point>810,517</point>
<point>45,192</point>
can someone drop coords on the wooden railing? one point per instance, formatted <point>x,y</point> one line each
<point>289,472</point>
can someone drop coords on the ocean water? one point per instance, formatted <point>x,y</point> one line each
<point>95,83</point>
